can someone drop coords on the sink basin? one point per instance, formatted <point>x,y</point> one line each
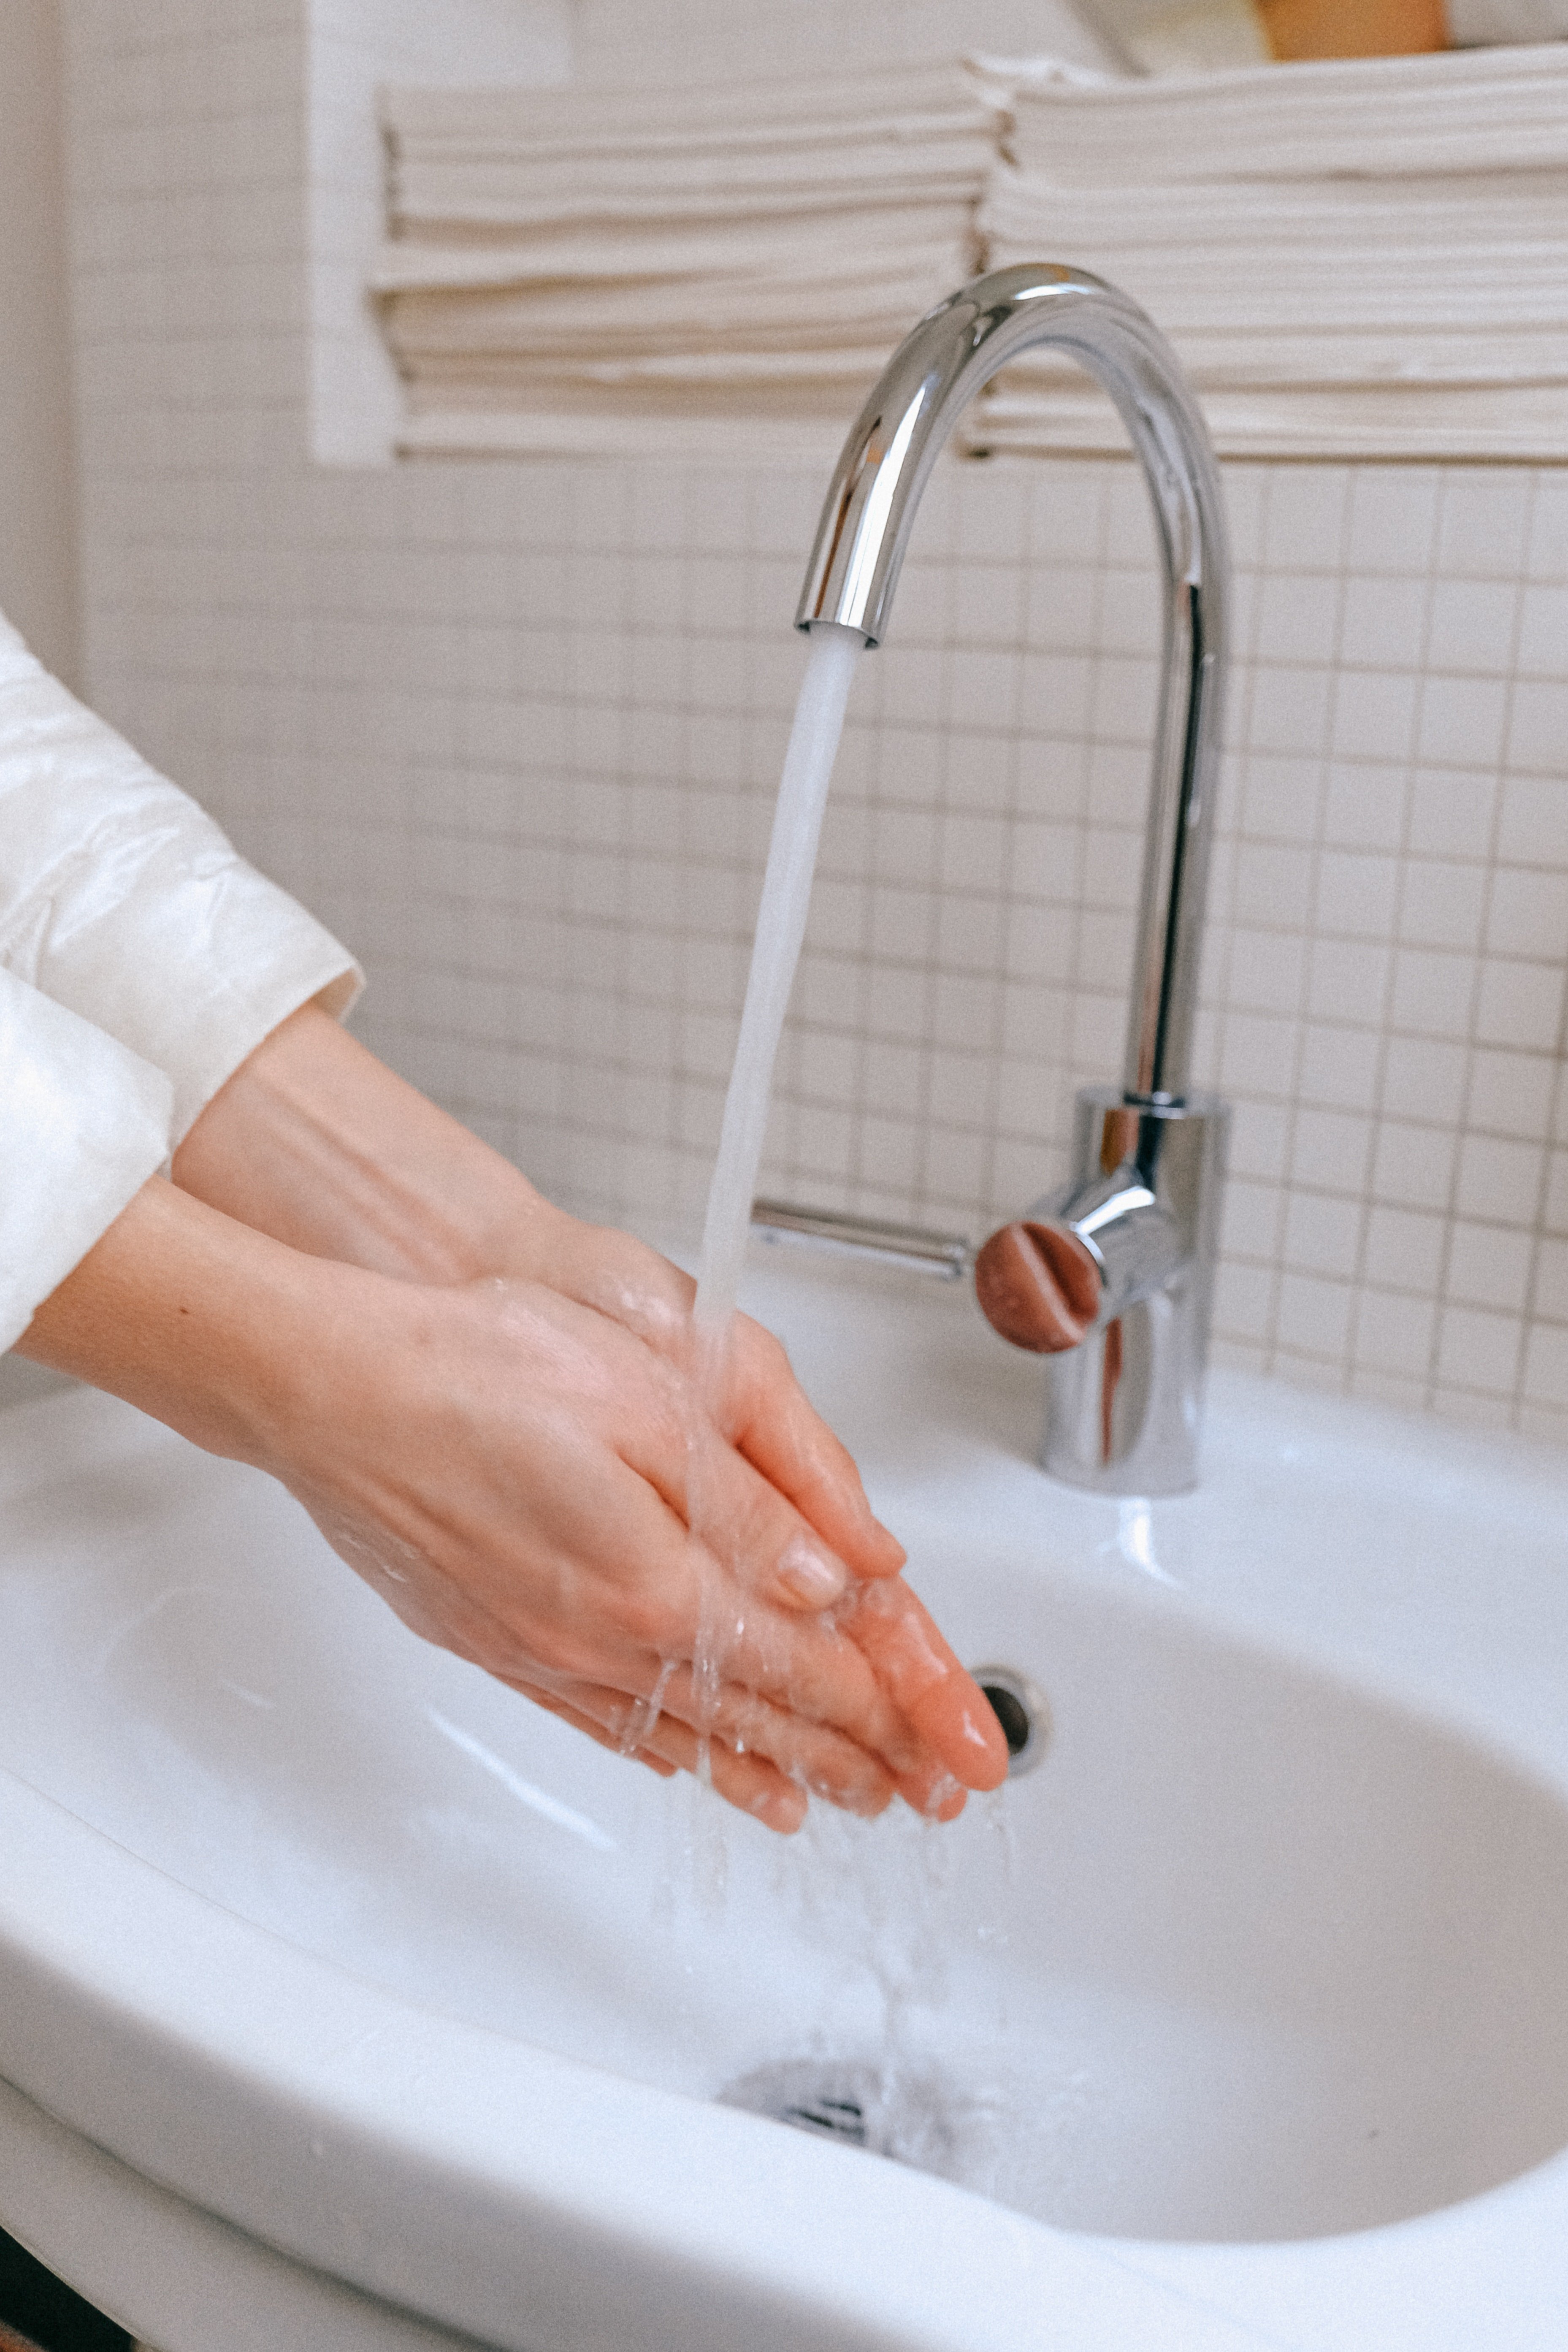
<point>1263,1968</point>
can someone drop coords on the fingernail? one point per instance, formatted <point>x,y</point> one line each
<point>784,1809</point>
<point>810,1575</point>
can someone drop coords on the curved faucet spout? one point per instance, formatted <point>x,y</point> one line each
<point>870,510</point>
<point>1111,1281</point>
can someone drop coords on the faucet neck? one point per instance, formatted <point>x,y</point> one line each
<point>950,356</point>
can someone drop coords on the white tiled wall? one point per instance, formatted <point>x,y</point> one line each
<point>515,728</point>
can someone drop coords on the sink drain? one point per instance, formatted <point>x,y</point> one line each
<point>853,2103</point>
<point>1021,1711</point>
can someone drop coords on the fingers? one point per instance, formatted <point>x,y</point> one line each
<point>770,1419</point>
<point>751,1529</point>
<point>748,1782</point>
<point>811,1754</point>
<point>927,1683</point>
<point>599,1733</point>
<point>807,1666</point>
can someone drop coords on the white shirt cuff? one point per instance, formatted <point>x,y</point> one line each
<point>85,1124</point>
<point>122,901</point>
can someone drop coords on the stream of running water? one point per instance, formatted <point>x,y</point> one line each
<point>781,928</point>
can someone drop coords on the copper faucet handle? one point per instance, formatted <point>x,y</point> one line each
<point>1038,1285</point>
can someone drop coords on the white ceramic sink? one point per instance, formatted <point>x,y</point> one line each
<point>1253,1997</point>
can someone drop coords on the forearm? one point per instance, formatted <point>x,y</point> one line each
<point>188,1315</point>
<point>316,1142</point>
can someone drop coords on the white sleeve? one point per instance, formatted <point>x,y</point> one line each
<point>120,900</point>
<point>83,1124</point>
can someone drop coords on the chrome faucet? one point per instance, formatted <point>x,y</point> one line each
<point>1113,1280</point>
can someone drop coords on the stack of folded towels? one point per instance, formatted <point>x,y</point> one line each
<point>584,270</point>
<point>1362,257</point>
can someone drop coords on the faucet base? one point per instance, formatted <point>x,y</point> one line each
<point>1124,1408</point>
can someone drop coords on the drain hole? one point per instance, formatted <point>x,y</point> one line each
<point>841,2100</point>
<point>1011,1714</point>
<point>1020,1710</point>
<point>915,2117</point>
<point>839,2118</point>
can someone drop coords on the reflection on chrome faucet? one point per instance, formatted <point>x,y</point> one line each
<point>1113,1280</point>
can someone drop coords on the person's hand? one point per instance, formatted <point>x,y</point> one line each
<point>517,1474</point>
<point>317,1142</point>
<point>531,1486</point>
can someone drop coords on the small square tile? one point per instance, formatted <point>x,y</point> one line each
<point>1548,549</point>
<point>1512,1093</point>
<point>1489,1266</point>
<point>1528,915</point>
<point>1499,1180</point>
<point>1471,625</point>
<point>1393,519</point>
<point>1394,1334</point>
<point>1533,825</point>
<point>1557,1193</point>
<point>1364,805</point>
<point>1550,1299</point>
<point>1340,1066</point>
<point>1244,1302</point>
<point>1281,797</point>
<point>1331,1148</point>
<point>1480,1351</point>
<point>1298,617</point>
<point>1544,632</point>
<point>1546,1365</point>
<point>1347,979</point>
<point>1322,1234</point>
<point>1519,1004</point>
<point>1305,530</point>
<point>1375,714</point>
<point>1539,725</point>
<point>1404,1250</point>
<point>1485,521</point>
<point>1290,710</point>
<point>1442,904</point>
<point>1314,1316</point>
<point>1463,720</point>
<point>1385,623</point>
<point>1434,993</point>
<point>1356,894</point>
<point>1412,1167</point>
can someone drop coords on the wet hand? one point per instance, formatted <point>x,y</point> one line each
<point>536,1489</point>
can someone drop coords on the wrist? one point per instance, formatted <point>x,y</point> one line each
<point>214,1329</point>
<point>317,1143</point>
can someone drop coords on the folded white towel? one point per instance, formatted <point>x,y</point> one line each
<point>444,202</point>
<point>1366,248</point>
<point>591,120</point>
<point>864,238</point>
<point>1363,256</point>
<point>864,242</point>
<point>1502,109</point>
<point>631,322</point>
<point>734,249</point>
